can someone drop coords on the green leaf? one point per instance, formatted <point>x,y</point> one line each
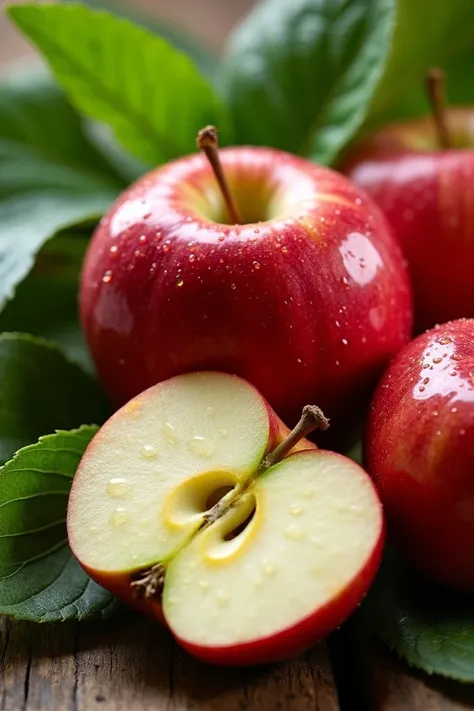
<point>40,391</point>
<point>430,627</point>
<point>45,302</point>
<point>153,96</point>
<point>176,36</point>
<point>39,578</point>
<point>51,175</point>
<point>428,33</point>
<point>300,75</point>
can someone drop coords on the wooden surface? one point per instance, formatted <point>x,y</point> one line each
<point>133,665</point>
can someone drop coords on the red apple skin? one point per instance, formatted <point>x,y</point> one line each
<point>119,583</point>
<point>420,451</point>
<point>426,195</point>
<point>306,632</point>
<point>309,307</point>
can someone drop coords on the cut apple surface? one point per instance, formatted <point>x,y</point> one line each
<point>175,502</point>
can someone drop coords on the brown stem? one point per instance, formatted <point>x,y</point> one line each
<point>207,141</point>
<point>149,583</point>
<point>312,418</point>
<point>436,89</point>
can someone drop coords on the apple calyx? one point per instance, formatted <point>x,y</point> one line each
<point>149,583</point>
<point>436,91</point>
<point>207,141</point>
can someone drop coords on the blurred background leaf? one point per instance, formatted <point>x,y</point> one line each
<point>153,96</point>
<point>300,75</point>
<point>428,33</point>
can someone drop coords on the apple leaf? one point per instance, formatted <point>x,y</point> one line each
<point>152,95</point>
<point>40,580</point>
<point>176,36</point>
<point>429,627</point>
<point>300,75</point>
<point>45,302</point>
<point>446,40</point>
<point>51,176</point>
<point>40,391</point>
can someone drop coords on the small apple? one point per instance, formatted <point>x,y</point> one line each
<point>424,188</point>
<point>194,504</point>
<point>307,297</point>
<point>420,451</point>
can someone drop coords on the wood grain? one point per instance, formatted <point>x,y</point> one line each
<point>133,665</point>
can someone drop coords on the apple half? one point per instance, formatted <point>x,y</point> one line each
<point>177,510</point>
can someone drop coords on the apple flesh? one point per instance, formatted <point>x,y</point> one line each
<point>426,195</point>
<point>420,451</point>
<point>308,300</point>
<point>254,565</point>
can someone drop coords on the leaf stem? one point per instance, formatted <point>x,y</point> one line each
<point>207,141</point>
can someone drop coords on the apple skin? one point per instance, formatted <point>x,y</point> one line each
<point>308,306</point>
<point>419,450</point>
<point>119,585</point>
<point>425,193</point>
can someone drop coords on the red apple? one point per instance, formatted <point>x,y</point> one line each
<point>308,299</point>
<point>420,451</point>
<point>426,195</point>
<point>194,504</point>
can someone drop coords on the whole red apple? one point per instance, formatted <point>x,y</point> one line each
<point>426,195</point>
<point>420,451</point>
<point>308,299</point>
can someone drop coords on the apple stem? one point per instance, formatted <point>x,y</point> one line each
<point>436,90</point>
<point>149,582</point>
<point>312,418</point>
<point>207,142</point>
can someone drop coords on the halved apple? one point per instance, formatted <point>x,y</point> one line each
<point>188,505</point>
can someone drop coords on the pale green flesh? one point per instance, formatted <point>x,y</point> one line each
<point>316,523</point>
<point>129,507</point>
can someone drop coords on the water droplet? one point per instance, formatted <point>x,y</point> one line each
<point>170,433</point>
<point>221,238</point>
<point>284,250</point>
<point>358,201</point>
<point>444,340</point>
<point>462,432</point>
<point>222,597</point>
<point>426,381</point>
<point>454,410</point>
<point>437,360</point>
<point>201,446</point>
<point>192,257</point>
<point>422,388</point>
<point>256,265</point>
<point>179,281</point>
<point>107,276</point>
<point>337,323</point>
<point>142,239</point>
<point>113,249</point>
<point>117,487</point>
<point>295,510</point>
<point>118,517</point>
<point>294,532</point>
<point>269,567</point>
<point>93,529</point>
<point>338,363</point>
<point>345,342</point>
<point>148,451</point>
<point>233,287</point>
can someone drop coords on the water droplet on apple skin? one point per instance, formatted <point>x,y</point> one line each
<point>201,446</point>
<point>293,532</point>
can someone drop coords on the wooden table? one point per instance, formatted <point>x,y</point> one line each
<point>133,665</point>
